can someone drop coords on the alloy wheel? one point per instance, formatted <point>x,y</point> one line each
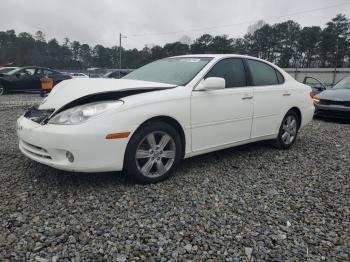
<point>289,129</point>
<point>155,154</point>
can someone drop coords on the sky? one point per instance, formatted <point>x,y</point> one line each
<point>149,22</point>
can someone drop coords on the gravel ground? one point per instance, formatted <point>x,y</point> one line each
<point>243,204</point>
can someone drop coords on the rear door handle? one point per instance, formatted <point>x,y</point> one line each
<point>245,97</point>
<point>287,94</point>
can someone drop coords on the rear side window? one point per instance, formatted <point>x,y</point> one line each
<point>262,73</point>
<point>232,70</point>
<point>279,77</point>
<point>47,72</point>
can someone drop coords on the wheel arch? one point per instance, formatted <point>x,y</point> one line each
<point>298,112</point>
<point>4,83</point>
<point>172,122</point>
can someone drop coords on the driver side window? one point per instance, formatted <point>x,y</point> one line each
<point>27,72</point>
<point>232,70</point>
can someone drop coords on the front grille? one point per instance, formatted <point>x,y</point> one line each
<point>336,103</point>
<point>35,150</point>
<point>37,115</point>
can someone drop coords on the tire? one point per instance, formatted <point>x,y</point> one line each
<point>288,131</point>
<point>2,90</point>
<point>159,150</point>
<point>42,92</point>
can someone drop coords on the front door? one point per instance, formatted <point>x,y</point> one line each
<point>26,79</point>
<point>222,117</point>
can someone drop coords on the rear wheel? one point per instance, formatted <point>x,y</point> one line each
<point>288,131</point>
<point>153,153</point>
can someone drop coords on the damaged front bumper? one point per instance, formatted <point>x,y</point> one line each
<point>54,145</point>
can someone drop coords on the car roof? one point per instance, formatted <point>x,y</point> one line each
<point>218,56</point>
<point>38,67</point>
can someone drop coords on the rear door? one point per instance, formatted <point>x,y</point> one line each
<point>222,117</point>
<point>271,98</point>
<point>54,75</point>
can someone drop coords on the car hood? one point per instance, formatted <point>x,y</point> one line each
<point>74,89</point>
<point>335,94</point>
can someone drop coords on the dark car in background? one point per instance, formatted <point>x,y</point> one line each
<point>334,102</point>
<point>316,85</point>
<point>28,79</point>
<point>117,74</point>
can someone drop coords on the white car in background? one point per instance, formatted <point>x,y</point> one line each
<point>170,109</point>
<point>78,75</point>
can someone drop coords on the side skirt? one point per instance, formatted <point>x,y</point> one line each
<point>220,147</point>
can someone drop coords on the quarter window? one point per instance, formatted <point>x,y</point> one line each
<point>279,77</point>
<point>232,70</point>
<point>262,74</point>
<point>48,72</point>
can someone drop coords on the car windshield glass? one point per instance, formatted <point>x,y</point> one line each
<point>6,70</point>
<point>343,84</point>
<point>14,71</point>
<point>175,71</point>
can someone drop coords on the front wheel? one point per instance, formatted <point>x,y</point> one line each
<point>2,90</point>
<point>153,153</point>
<point>288,131</point>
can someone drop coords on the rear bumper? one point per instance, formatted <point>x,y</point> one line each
<point>332,111</point>
<point>308,114</point>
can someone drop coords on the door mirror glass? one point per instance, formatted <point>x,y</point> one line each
<point>211,83</point>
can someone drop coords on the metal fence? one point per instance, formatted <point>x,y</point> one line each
<point>96,72</point>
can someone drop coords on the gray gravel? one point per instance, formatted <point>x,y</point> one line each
<point>248,203</point>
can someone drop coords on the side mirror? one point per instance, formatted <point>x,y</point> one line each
<point>211,83</point>
<point>18,75</point>
<point>320,88</point>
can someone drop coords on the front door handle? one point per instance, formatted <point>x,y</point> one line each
<point>245,97</point>
<point>287,94</point>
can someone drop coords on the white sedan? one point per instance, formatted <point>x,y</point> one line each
<point>78,75</point>
<point>165,111</point>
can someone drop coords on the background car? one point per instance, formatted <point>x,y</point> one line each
<point>116,74</point>
<point>334,102</point>
<point>7,69</point>
<point>316,85</point>
<point>79,75</point>
<point>28,79</point>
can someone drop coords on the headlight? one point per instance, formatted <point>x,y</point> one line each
<point>79,114</point>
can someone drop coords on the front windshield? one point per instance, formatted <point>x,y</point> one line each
<point>343,84</point>
<point>176,71</point>
<point>14,71</point>
<point>7,70</point>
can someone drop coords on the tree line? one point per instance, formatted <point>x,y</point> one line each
<point>287,44</point>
